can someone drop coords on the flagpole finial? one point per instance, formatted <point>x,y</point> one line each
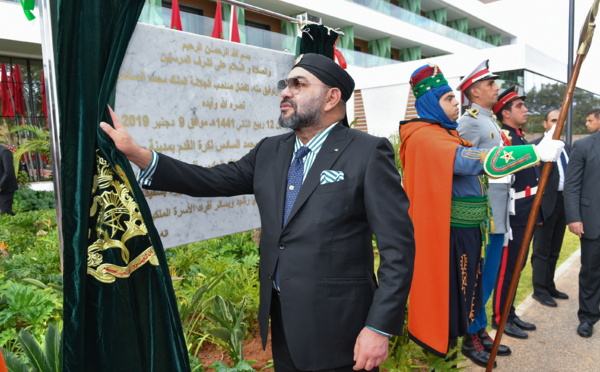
<point>587,32</point>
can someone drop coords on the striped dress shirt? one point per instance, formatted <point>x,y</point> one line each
<point>145,176</point>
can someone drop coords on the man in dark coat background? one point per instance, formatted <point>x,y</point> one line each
<point>582,206</point>
<point>548,235</point>
<point>322,190</point>
<point>8,181</point>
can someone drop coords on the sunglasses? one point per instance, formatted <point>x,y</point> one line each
<point>294,84</point>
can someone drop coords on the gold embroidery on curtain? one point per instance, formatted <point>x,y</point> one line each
<point>118,219</point>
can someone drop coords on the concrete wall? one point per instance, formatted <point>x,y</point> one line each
<point>18,36</point>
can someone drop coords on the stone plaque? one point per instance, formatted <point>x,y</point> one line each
<point>203,101</point>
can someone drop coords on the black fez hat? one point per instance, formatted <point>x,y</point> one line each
<point>510,94</point>
<point>329,72</point>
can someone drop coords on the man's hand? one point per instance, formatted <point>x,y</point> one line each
<point>138,155</point>
<point>576,228</point>
<point>371,350</point>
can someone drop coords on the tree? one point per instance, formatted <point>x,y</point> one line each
<point>550,97</point>
<point>38,141</point>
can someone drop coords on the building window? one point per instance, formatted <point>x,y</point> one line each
<point>30,85</point>
<point>357,48</point>
<point>260,26</point>
<point>24,91</point>
<point>183,8</point>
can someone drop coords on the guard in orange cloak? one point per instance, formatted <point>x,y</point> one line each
<point>443,177</point>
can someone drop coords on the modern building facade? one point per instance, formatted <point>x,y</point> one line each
<point>383,42</point>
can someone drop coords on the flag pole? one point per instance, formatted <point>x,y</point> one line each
<point>27,120</point>
<point>585,40</point>
<point>52,104</point>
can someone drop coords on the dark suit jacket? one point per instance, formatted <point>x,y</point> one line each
<point>551,190</point>
<point>8,180</point>
<point>329,291</point>
<point>582,185</point>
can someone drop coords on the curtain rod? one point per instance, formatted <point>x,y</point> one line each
<point>256,9</point>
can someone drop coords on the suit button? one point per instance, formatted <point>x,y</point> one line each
<point>282,246</point>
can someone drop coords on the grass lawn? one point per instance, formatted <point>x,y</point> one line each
<point>570,245</point>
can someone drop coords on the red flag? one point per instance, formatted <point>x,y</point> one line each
<point>234,32</point>
<point>338,55</point>
<point>7,106</point>
<point>175,16</point>
<point>18,90</point>
<point>217,31</point>
<point>44,105</point>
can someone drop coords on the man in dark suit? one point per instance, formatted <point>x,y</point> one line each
<point>548,235</point>
<point>8,181</point>
<point>582,206</point>
<point>512,112</point>
<point>328,310</point>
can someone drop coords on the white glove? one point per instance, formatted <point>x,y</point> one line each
<point>549,150</point>
<point>550,133</point>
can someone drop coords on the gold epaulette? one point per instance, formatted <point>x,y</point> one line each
<point>473,112</point>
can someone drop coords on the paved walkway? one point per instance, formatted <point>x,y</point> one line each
<point>555,345</point>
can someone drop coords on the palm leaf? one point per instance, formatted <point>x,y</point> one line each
<point>13,364</point>
<point>54,348</point>
<point>37,131</point>
<point>35,282</point>
<point>33,351</point>
<point>39,143</point>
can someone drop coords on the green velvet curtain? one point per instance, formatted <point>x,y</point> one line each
<point>120,311</point>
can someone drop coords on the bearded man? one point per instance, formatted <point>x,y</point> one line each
<point>322,190</point>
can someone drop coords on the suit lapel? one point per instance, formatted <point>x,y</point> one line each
<point>596,144</point>
<point>332,148</point>
<point>283,159</point>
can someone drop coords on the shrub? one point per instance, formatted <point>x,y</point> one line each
<point>30,200</point>
<point>395,140</point>
<point>26,306</point>
<point>31,241</point>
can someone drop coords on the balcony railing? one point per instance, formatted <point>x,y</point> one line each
<point>423,22</point>
<point>365,60</point>
<point>265,39</point>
